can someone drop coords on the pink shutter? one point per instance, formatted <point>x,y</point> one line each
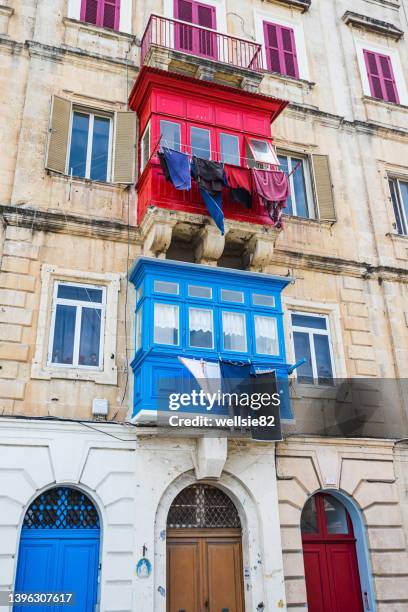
<point>89,11</point>
<point>289,52</point>
<point>183,10</point>
<point>111,10</point>
<point>205,17</point>
<point>272,47</point>
<point>389,84</point>
<point>381,76</point>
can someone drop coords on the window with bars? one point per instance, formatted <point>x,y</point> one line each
<point>280,48</point>
<point>399,197</point>
<point>61,508</point>
<point>103,13</point>
<point>381,76</point>
<point>203,507</point>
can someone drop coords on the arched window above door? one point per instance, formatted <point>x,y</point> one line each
<point>61,508</point>
<point>202,506</point>
<point>323,516</point>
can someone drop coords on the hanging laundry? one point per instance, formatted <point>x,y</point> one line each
<point>213,204</point>
<point>239,180</point>
<point>178,168</point>
<point>272,187</point>
<point>235,378</point>
<point>206,373</point>
<point>163,165</point>
<point>208,174</point>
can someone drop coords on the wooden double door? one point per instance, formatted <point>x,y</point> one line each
<point>204,570</point>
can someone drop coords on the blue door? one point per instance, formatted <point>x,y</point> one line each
<point>59,549</point>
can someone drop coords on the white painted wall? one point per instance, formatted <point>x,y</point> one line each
<point>133,483</point>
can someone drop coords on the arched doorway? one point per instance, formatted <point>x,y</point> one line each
<point>330,558</point>
<point>204,552</point>
<point>59,548</point>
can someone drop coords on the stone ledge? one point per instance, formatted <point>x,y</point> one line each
<point>373,25</point>
<point>303,5</point>
<point>105,32</point>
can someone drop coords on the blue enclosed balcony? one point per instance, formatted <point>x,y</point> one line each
<point>208,314</point>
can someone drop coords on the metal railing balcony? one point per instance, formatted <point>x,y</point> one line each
<point>201,42</point>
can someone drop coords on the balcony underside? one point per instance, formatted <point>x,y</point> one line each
<point>202,68</point>
<point>197,239</point>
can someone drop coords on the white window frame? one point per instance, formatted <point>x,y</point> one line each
<point>125,16</point>
<point>311,331</point>
<point>79,305</point>
<point>392,52</point>
<point>40,367</point>
<point>273,160</point>
<point>92,114</point>
<point>142,147</point>
<point>333,313</point>
<point>279,15</point>
<point>403,216</point>
<point>307,171</point>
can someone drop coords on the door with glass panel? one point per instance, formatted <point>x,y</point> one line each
<point>330,558</point>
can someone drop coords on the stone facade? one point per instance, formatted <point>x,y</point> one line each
<point>355,270</point>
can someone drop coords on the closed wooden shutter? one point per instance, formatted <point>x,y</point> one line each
<point>272,47</point>
<point>323,187</point>
<point>124,148</point>
<point>381,76</point>
<point>111,9</point>
<point>289,52</point>
<point>58,134</point>
<point>89,11</point>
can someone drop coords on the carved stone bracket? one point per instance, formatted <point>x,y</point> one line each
<point>258,252</point>
<point>210,457</point>
<point>158,240</point>
<point>209,245</point>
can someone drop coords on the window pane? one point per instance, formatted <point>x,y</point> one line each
<point>234,332</point>
<point>83,294</point>
<point>201,327</point>
<point>166,324</point>
<point>139,320</point>
<point>284,164</point>
<point>309,517</point>
<point>200,143</point>
<point>262,151</point>
<point>90,337</point>
<point>266,335</point>
<point>323,359</point>
<point>79,145</point>
<point>64,332</point>
<point>309,321</point>
<point>100,149</point>
<point>398,209</point>
<point>200,292</point>
<point>229,149</point>
<point>336,515</point>
<point>404,194</point>
<point>259,299</point>
<point>299,187</point>
<point>302,349</point>
<point>170,133</point>
<point>145,146</point>
<point>166,287</point>
<point>228,295</point>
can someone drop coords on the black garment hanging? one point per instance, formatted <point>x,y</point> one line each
<point>208,174</point>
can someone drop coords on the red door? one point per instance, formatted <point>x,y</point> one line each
<point>329,552</point>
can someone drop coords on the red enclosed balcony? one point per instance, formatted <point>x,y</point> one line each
<point>175,45</point>
<point>205,119</point>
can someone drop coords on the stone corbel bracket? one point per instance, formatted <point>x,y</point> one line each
<point>209,245</point>
<point>157,230</point>
<point>209,457</point>
<point>258,251</point>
